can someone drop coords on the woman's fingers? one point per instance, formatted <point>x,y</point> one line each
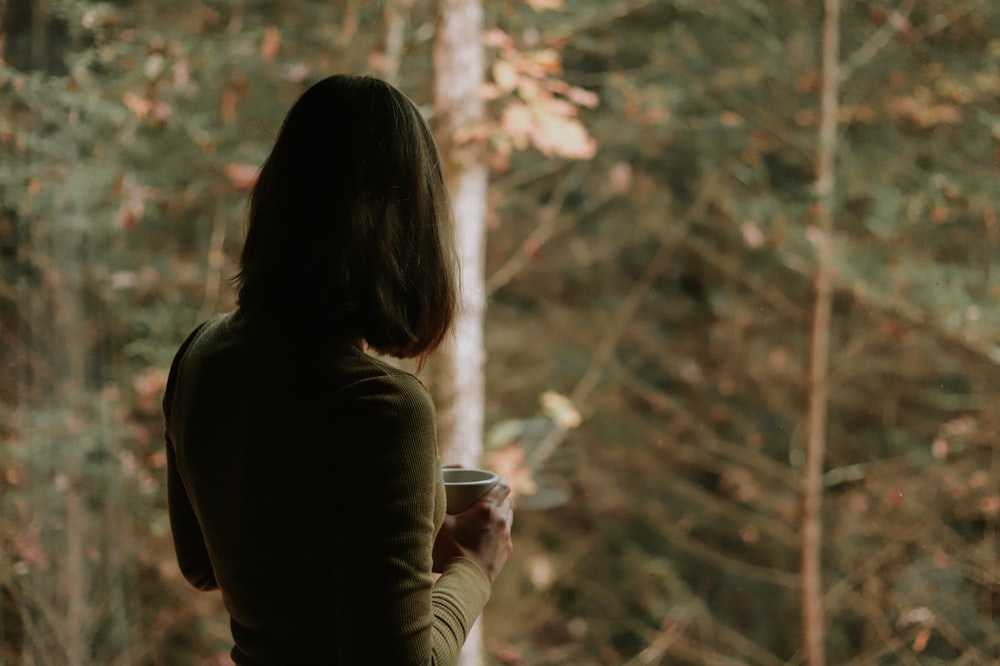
<point>500,491</point>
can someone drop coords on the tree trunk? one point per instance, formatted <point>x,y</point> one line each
<point>458,77</point>
<point>458,380</point>
<point>813,621</point>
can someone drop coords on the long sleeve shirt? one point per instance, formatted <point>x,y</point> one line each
<point>304,482</point>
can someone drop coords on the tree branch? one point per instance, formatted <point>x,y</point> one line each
<point>548,225</point>
<point>621,318</point>
<point>615,13</point>
<point>813,617</point>
<point>882,37</point>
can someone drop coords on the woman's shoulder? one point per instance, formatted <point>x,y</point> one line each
<point>368,375</point>
<point>204,332</point>
<point>307,367</point>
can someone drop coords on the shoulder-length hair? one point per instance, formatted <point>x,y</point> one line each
<point>350,224</point>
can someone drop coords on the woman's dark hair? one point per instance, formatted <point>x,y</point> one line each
<point>349,221</point>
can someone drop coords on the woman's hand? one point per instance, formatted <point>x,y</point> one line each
<point>480,533</point>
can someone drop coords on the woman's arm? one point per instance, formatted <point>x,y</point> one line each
<point>189,542</point>
<point>388,608</point>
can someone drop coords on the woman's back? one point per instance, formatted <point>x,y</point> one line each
<point>307,465</point>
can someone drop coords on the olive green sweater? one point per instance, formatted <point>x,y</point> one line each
<point>305,484</point>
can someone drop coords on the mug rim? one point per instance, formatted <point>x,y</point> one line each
<point>484,476</point>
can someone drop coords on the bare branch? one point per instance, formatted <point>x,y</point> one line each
<point>708,442</point>
<point>548,224</point>
<point>610,340</point>
<point>766,290</point>
<point>813,615</point>
<point>613,13</point>
<point>882,37</point>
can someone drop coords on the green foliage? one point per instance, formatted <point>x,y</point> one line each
<point>707,137</point>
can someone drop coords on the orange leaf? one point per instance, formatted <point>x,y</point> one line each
<point>730,119</point>
<point>990,506</point>
<point>509,462</point>
<point>497,39</point>
<point>140,106</point>
<point>242,176</point>
<point>271,44</point>
<point>547,59</point>
<point>947,114</point>
<point>920,642</point>
<point>228,107</point>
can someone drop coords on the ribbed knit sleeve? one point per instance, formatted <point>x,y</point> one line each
<point>388,608</point>
<point>460,590</point>
<point>189,542</point>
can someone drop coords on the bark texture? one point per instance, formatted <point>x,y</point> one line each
<point>458,380</point>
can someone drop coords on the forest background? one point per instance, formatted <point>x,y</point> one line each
<point>669,224</point>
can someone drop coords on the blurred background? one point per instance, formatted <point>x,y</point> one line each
<point>742,337</point>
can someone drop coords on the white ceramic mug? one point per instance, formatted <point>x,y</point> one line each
<point>463,486</point>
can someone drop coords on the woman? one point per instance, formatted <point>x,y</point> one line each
<point>304,480</point>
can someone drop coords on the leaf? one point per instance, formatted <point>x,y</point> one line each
<point>509,463</point>
<point>271,44</point>
<point>228,107</point>
<point>243,176</point>
<point>132,207</point>
<point>620,176</point>
<point>140,106</point>
<point>517,121</point>
<point>752,234</point>
<point>540,571</point>
<point>180,74</point>
<point>730,119</point>
<point>581,97</point>
<point>990,506</point>
<point>546,60</point>
<point>497,39</point>
<point>566,137</point>
<point>560,409</point>
<point>921,639</point>
<point>505,75</point>
<point>542,5</point>
<point>504,434</point>
<point>919,112</point>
